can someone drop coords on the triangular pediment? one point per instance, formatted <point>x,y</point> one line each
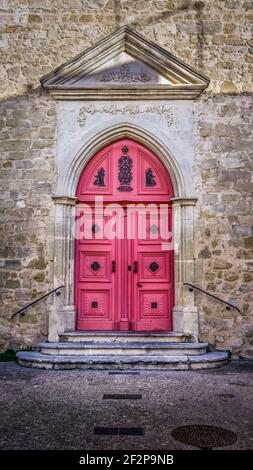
<point>125,65</point>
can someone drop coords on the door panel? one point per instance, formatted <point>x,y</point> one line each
<point>94,265</point>
<point>154,266</point>
<point>152,283</point>
<point>95,279</point>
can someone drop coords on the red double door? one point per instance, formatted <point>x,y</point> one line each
<point>124,256</point>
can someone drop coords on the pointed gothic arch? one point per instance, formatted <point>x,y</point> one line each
<point>70,175</point>
<point>63,316</point>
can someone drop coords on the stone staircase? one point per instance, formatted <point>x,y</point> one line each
<point>123,350</point>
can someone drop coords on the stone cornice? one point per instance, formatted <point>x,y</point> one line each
<point>165,92</point>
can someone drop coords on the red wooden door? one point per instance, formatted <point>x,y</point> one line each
<point>125,281</point>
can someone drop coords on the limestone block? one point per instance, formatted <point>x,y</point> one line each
<point>55,323</point>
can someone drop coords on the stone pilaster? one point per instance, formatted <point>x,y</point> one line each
<point>63,313</point>
<point>185,313</point>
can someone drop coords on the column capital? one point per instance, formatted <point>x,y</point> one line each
<point>184,201</point>
<point>65,200</point>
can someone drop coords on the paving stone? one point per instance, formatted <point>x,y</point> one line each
<point>51,409</point>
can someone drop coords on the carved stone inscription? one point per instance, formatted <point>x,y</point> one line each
<point>125,75</point>
<point>129,109</point>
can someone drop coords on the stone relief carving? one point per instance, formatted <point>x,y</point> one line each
<point>125,109</point>
<point>100,177</point>
<point>125,176</point>
<point>150,178</point>
<point>124,75</point>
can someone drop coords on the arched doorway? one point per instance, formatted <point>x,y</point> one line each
<point>124,266</point>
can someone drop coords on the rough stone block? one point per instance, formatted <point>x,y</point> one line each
<point>13,264</point>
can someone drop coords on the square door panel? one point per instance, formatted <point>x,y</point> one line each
<point>153,304</point>
<point>94,266</point>
<point>90,229</point>
<point>154,226</point>
<point>94,304</point>
<point>154,267</point>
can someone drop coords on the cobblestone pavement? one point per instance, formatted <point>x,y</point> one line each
<point>43,409</point>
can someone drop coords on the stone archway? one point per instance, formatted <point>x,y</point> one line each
<point>62,314</point>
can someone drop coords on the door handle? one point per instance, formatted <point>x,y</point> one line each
<point>135,266</point>
<point>139,284</point>
<point>113,266</point>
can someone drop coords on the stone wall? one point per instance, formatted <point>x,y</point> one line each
<point>27,145</point>
<point>224,232</point>
<point>213,36</point>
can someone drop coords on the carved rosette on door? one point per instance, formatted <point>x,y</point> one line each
<point>95,266</point>
<point>153,267</point>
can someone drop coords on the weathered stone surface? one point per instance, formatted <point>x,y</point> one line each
<point>248,242</point>
<point>247,277</point>
<point>205,253</point>
<point>231,234</point>
<point>38,263</point>
<point>11,284</point>
<point>12,264</point>
<point>221,264</point>
<point>230,276</point>
<point>228,87</point>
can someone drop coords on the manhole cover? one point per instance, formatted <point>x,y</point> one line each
<point>204,436</point>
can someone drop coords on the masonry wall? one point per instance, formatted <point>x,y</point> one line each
<point>213,36</point>
<point>223,232</point>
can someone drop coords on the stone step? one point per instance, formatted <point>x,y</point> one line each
<point>123,336</point>
<point>92,348</point>
<point>114,362</point>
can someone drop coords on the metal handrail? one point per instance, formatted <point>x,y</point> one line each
<point>228,305</point>
<point>21,311</point>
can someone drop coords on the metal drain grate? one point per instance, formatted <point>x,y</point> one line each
<point>106,431</point>
<point>123,396</point>
<point>131,431</point>
<point>204,436</point>
<point>124,373</point>
<point>116,431</point>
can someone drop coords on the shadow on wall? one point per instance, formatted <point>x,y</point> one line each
<point>181,6</point>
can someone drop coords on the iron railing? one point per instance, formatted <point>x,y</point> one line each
<point>228,304</point>
<point>22,310</point>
